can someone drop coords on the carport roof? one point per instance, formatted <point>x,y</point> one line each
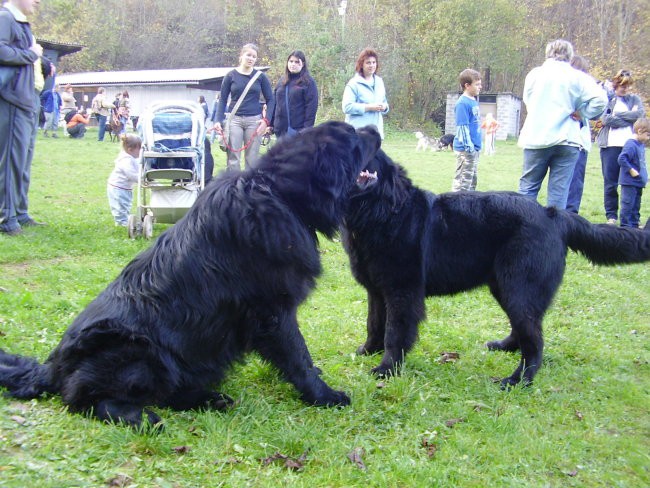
<point>146,77</point>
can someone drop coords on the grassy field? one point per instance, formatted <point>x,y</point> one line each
<point>585,422</point>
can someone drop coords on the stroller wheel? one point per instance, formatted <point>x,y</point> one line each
<point>147,227</point>
<point>132,227</point>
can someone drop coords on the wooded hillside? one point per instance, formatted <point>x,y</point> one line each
<point>423,44</point>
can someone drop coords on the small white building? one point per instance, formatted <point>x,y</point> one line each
<point>505,107</point>
<point>147,86</point>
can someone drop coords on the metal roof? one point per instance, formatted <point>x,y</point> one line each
<point>63,48</point>
<point>145,77</point>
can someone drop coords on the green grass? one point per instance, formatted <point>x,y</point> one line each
<point>585,422</point>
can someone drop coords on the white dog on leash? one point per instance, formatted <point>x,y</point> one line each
<point>425,142</point>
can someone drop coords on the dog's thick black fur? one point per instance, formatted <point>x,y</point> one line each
<point>446,141</point>
<point>226,279</point>
<point>406,244</point>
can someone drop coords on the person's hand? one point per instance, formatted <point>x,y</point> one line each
<point>261,127</point>
<point>217,127</point>
<point>374,107</point>
<point>634,173</point>
<point>576,116</point>
<point>37,48</point>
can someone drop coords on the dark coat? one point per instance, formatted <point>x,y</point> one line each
<point>303,104</point>
<point>15,41</point>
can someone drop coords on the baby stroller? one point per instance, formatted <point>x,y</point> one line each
<point>171,164</point>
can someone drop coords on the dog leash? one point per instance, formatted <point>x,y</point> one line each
<point>243,148</point>
<point>234,111</point>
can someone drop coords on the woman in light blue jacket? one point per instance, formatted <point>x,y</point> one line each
<point>364,98</point>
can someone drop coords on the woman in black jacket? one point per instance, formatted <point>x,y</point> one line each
<point>296,91</point>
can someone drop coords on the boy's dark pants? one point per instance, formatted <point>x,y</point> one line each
<point>609,161</point>
<point>630,205</point>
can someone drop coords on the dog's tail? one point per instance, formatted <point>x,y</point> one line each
<point>605,243</point>
<point>24,377</point>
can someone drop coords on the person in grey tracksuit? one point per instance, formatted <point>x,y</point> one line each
<point>19,105</point>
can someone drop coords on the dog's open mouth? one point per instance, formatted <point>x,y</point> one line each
<point>366,179</point>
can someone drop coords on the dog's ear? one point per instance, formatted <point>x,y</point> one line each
<point>392,177</point>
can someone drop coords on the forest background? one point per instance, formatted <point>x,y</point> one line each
<point>422,44</point>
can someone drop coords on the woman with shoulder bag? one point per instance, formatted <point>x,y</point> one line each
<point>245,124</point>
<point>296,98</point>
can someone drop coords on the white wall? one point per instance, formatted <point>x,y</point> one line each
<point>140,96</point>
<point>508,113</point>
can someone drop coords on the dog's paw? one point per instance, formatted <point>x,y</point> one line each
<point>333,399</point>
<point>152,418</point>
<point>502,346</point>
<point>510,382</point>
<point>151,422</point>
<point>383,371</point>
<point>219,401</point>
<point>367,350</point>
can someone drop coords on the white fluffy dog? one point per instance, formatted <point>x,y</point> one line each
<point>425,142</point>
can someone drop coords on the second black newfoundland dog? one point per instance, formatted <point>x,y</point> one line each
<point>226,279</point>
<point>406,244</point>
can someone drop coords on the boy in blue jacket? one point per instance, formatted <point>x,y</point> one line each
<point>633,175</point>
<point>467,143</point>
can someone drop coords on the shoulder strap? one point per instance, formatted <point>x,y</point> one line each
<point>245,92</point>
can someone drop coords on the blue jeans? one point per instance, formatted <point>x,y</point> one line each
<point>120,201</point>
<point>631,205</point>
<point>51,121</point>
<point>101,123</point>
<point>611,169</point>
<point>559,162</point>
<point>77,131</point>
<point>577,183</point>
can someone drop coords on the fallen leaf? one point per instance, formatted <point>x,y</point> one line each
<point>452,422</point>
<point>430,447</point>
<point>381,385</point>
<point>293,464</point>
<point>449,357</point>
<point>579,415</point>
<point>572,473</point>
<point>274,457</point>
<point>289,463</point>
<point>181,449</point>
<point>18,419</point>
<point>120,481</point>
<point>356,456</point>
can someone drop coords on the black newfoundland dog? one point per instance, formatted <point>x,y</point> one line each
<point>226,279</point>
<point>406,244</point>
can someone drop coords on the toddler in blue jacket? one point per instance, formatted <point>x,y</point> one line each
<point>633,175</point>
